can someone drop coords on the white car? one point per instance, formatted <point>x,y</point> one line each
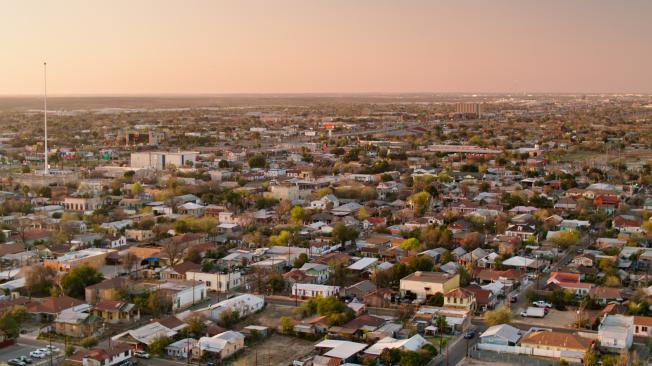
<point>45,351</point>
<point>53,349</point>
<point>36,354</point>
<point>542,304</point>
<point>141,354</point>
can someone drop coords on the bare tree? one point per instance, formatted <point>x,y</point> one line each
<point>129,260</point>
<point>174,250</point>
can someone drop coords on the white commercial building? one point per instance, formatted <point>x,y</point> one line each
<point>184,293</point>
<point>159,160</point>
<point>244,304</point>
<point>220,282</point>
<point>314,290</point>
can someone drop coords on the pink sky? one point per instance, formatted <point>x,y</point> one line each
<point>296,46</point>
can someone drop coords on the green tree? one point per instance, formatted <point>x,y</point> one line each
<point>158,345</point>
<point>421,202</point>
<point>300,260</point>
<point>411,244</point>
<point>285,324</point>
<point>566,238</point>
<point>501,315</point>
<point>297,215</point>
<point>257,161</point>
<point>441,324</point>
<point>75,282</point>
<point>342,233</point>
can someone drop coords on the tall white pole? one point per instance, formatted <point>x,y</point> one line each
<point>45,115</point>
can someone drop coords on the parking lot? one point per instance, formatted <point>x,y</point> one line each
<point>18,350</point>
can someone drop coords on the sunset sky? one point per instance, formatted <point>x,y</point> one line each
<point>314,46</point>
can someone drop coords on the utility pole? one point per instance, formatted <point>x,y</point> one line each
<point>46,170</point>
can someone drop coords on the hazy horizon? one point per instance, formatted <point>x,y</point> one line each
<point>293,47</point>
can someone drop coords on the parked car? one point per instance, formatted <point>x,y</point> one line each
<point>37,354</point>
<point>513,299</point>
<point>25,359</point>
<point>16,362</point>
<point>53,349</point>
<point>142,354</point>
<point>45,351</point>
<point>542,304</point>
<point>469,335</point>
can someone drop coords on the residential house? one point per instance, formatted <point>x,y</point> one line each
<point>116,354</point>
<point>105,290</point>
<point>317,270</point>
<point>643,326</point>
<point>557,341</point>
<point>616,332</point>
<point>181,349</point>
<point>77,322</point>
<point>112,311</point>
<point>460,298</point>
<point>501,334</point>
<point>222,345</point>
<point>183,293</point>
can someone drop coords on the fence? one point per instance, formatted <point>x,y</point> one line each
<point>567,355</point>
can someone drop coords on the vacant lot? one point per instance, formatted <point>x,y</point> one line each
<point>276,350</point>
<point>269,317</point>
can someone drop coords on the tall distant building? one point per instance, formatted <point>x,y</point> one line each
<point>469,108</point>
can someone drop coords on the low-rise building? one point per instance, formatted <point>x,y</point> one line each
<point>616,332</point>
<point>303,290</point>
<point>424,284</point>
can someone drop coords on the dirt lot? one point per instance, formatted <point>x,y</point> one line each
<point>269,317</point>
<point>276,350</point>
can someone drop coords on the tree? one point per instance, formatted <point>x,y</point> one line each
<point>39,280</point>
<point>173,249</point>
<point>285,324</point>
<point>297,215</point>
<point>74,283</point>
<point>196,325</point>
<point>421,202</point>
<point>471,241</point>
<point>257,161</point>
<point>411,244</point>
<point>566,238</point>
<point>436,299</point>
<point>283,238</point>
<point>342,233</point>
<point>129,260</point>
<point>362,214</point>
<point>501,315</point>
<point>300,260</point>
<point>229,317</point>
<point>441,324</point>
<point>11,321</point>
<point>590,358</point>
<point>158,304</point>
<point>157,346</point>
<point>88,342</point>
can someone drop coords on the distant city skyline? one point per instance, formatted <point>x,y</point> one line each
<point>292,47</point>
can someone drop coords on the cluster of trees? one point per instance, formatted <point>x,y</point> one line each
<point>74,283</point>
<point>336,311</point>
<point>12,319</point>
<point>397,356</point>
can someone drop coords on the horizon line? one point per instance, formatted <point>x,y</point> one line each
<point>315,94</point>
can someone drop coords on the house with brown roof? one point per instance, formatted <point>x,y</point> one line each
<point>105,290</point>
<point>112,311</point>
<point>604,295</point>
<point>460,298</point>
<point>556,341</point>
<point>48,309</point>
<point>485,299</point>
<point>178,272</point>
<point>356,328</point>
<point>116,354</point>
<point>643,326</point>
